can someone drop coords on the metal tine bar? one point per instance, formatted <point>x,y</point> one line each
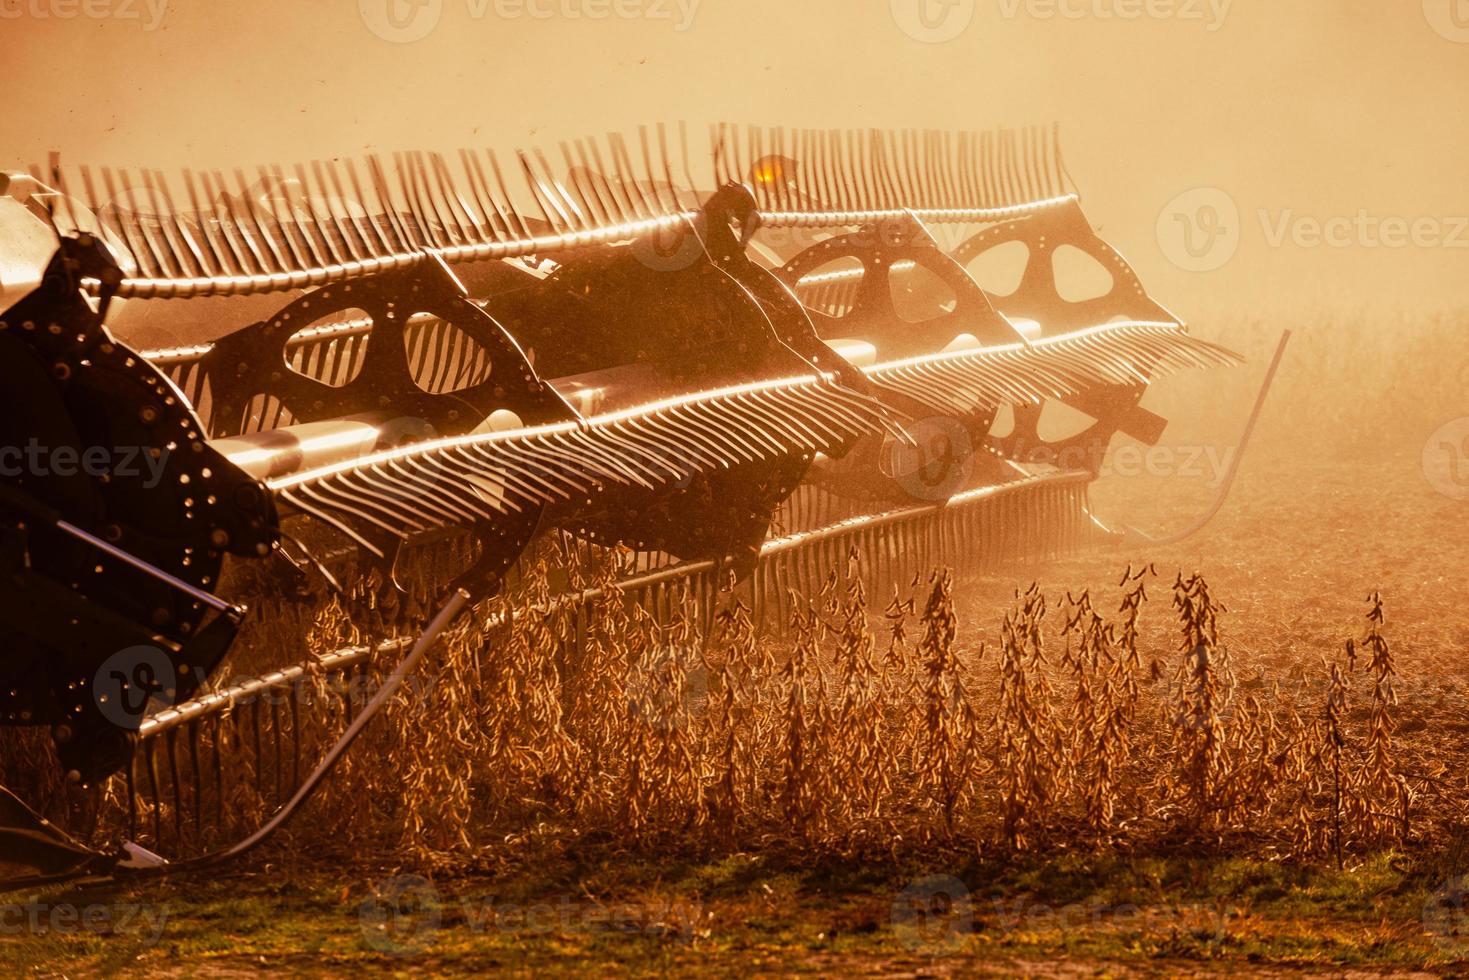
<point>831,156</point>
<point>156,237</point>
<point>480,190</point>
<point>1032,162</point>
<point>465,218</point>
<point>142,251</point>
<point>936,152</point>
<point>877,168</point>
<point>780,180</point>
<point>267,248</point>
<point>190,246</point>
<point>504,204</point>
<point>91,191</point>
<point>754,151</point>
<point>997,165</point>
<point>882,167</point>
<point>559,221</point>
<point>425,216</point>
<point>426,507</point>
<point>654,190</point>
<point>295,222</point>
<point>716,151</point>
<point>989,168</point>
<point>566,204</point>
<point>948,189</point>
<point>674,203</point>
<point>252,261</point>
<point>814,175</point>
<point>688,170</point>
<point>921,168</point>
<point>346,228</point>
<point>323,218</point>
<point>617,148</point>
<point>283,224</point>
<point>615,188</point>
<point>969,180</point>
<point>225,255</point>
<point>518,227</point>
<point>1012,166</point>
<point>902,187</point>
<point>378,244</point>
<point>429,227</point>
<point>1059,161</point>
<point>390,206</point>
<point>440,194</point>
<point>905,161</point>
<point>583,183</point>
<point>180,250</point>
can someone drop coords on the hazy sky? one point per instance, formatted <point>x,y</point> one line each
<point>1347,113</point>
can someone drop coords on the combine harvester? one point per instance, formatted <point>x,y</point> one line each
<point>230,398</point>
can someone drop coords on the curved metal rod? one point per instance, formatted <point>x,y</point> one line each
<point>1133,536</point>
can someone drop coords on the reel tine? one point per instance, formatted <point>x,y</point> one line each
<point>425,223</point>
<point>328,234</point>
<point>543,198</point>
<point>655,190</point>
<point>518,228</point>
<point>673,203</point>
<point>617,148</point>
<point>343,222</point>
<point>378,243</point>
<point>438,201</point>
<point>270,247</point>
<point>406,241</point>
<point>615,190</point>
<point>472,228</point>
<point>474,176</point>
<point>575,216</point>
<point>503,204</point>
<point>716,151</point>
<point>160,264</point>
<point>601,187</point>
<point>688,170</point>
<point>581,186</point>
<point>302,225</point>
<point>236,224</point>
<point>181,243</point>
<point>224,258</point>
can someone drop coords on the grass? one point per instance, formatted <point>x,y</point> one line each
<point>600,910</point>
